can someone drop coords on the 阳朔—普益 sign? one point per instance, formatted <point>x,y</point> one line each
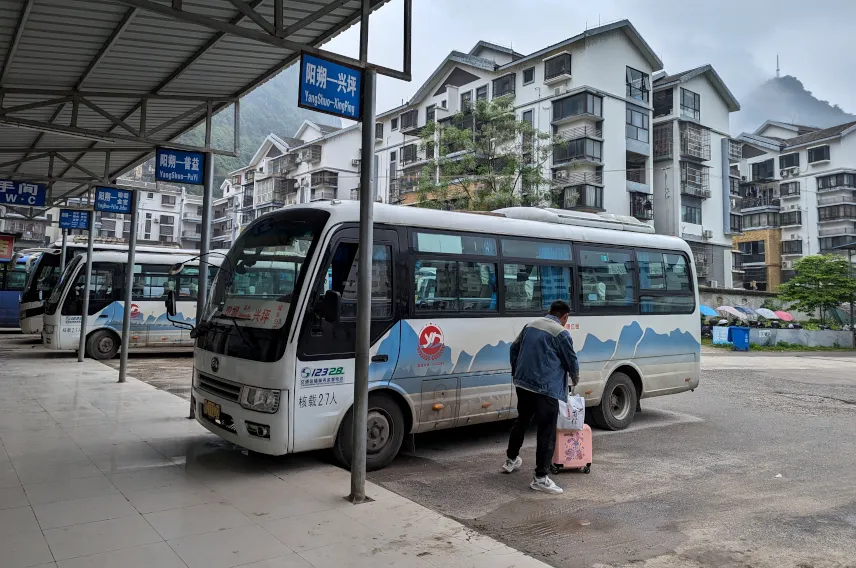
<point>330,87</point>
<point>22,193</point>
<point>178,166</point>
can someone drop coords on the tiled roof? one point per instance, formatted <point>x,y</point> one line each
<point>818,135</point>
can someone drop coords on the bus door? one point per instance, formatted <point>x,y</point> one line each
<point>326,367</point>
<point>150,325</point>
<point>105,307</point>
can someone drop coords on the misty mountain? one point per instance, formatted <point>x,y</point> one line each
<point>271,108</point>
<point>787,100</point>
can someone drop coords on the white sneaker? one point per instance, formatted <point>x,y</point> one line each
<point>546,485</point>
<point>511,465</point>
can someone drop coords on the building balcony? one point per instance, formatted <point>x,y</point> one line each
<point>695,142</point>
<point>664,143</point>
<point>836,213</point>
<point>641,206</point>
<point>401,186</point>
<point>695,190</point>
<point>309,154</point>
<point>563,178</point>
<point>221,217</point>
<point>247,201</point>
<point>582,198</point>
<point>834,231</point>
<point>789,189</point>
<point>636,181</point>
<point>790,219</point>
<point>577,132</point>
<point>735,152</point>
<point>355,195</point>
<point>827,201</point>
<point>760,203</point>
<point>191,217</point>
<point>322,194</point>
<point>582,151</point>
<point>191,235</point>
<point>754,258</point>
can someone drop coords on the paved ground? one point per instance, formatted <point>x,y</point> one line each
<point>98,474</point>
<point>753,469</point>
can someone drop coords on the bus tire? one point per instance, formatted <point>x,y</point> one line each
<point>384,432</point>
<point>617,405</point>
<point>102,345</point>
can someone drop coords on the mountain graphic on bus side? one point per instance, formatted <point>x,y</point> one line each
<point>116,311</point>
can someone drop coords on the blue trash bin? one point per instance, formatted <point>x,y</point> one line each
<point>739,338</point>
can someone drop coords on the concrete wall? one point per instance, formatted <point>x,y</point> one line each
<point>822,338</point>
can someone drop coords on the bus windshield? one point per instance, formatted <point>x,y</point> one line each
<point>257,285</point>
<point>42,279</point>
<point>56,292</point>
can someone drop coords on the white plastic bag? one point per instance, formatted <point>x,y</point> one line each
<point>572,414</point>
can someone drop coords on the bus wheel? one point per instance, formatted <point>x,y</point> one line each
<point>384,433</point>
<point>617,405</point>
<point>102,345</point>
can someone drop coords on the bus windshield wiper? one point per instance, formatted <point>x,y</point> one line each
<point>234,321</point>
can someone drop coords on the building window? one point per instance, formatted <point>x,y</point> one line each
<point>378,131</point>
<point>481,94</point>
<point>167,219</point>
<point>444,104</point>
<point>637,124</point>
<point>504,85</point>
<point>789,160</point>
<point>836,181</point>
<point>167,200</point>
<point>663,102</point>
<point>410,119</point>
<point>582,103</point>
<point>690,105</point>
<point>691,214</point>
<point>790,218</point>
<point>580,149</point>
<point>638,85</point>
<point>394,124</point>
<point>819,154</point>
<point>467,101</point>
<point>763,170</point>
<point>759,220</point>
<point>583,197</point>
<point>837,213</point>
<point>430,113</point>
<point>408,154</point>
<point>790,188</point>
<point>557,66</point>
<point>736,223</point>
<point>151,195</point>
<point>528,76</point>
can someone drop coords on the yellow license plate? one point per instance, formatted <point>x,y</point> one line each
<point>211,409</point>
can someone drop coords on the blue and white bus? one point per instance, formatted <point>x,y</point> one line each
<point>150,326</point>
<point>45,272</point>
<point>274,356</point>
<point>13,277</point>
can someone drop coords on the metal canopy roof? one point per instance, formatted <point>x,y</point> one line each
<point>88,88</point>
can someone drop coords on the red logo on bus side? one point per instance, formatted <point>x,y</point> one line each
<point>430,344</point>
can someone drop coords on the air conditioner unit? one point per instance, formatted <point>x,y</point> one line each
<point>562,174</point>
<point>560,90</point>
<point>786,264</point>
<point>714,284</point>
<point>794,237</point>
<point>742,178</point>
<point>355,162</point>
<point>707,234</point>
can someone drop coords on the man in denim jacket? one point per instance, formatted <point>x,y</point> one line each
<point>542,358</point>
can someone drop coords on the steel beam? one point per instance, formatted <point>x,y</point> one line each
<point>254,16</point>
<point>110,95</point>
<point>77,166</point>
<point>16,39</point>
<point>261,37</point>
<point>317,14</point>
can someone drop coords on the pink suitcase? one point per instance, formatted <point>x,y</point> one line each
<point>573,450</point>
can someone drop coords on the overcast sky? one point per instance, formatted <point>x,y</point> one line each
<point>815,39</point>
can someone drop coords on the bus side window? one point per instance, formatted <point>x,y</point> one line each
<point>102,290</point>
<point>664,283</point>
<point>151,281</point>
<point>607,276</point>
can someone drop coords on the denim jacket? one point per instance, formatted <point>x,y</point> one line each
<point>543,356</point>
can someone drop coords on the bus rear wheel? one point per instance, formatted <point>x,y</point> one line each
<point>384,433</point>
<point>617,405</point>
<point>102,345</point>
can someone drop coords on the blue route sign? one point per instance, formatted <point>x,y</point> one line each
<point>178,166</point>
<point>330,87</point>
<point>73,219</point>
<point>113,200</point>
<point>22,193</point>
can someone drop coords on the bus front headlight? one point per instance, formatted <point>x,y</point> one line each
<point>260,400</point>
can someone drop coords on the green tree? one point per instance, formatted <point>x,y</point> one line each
<point>821,282</point>
<point>481,159</point>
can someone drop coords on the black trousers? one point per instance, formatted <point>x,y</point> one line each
<point>544,410</point>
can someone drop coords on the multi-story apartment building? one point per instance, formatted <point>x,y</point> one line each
<point>691,170</point>
<point>797,197</point>
<point>592,92</point>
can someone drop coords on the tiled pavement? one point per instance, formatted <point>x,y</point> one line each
<point>98,474</point>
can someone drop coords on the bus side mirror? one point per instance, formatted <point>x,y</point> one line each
<point>330,306</point>
<point>170,303</point>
